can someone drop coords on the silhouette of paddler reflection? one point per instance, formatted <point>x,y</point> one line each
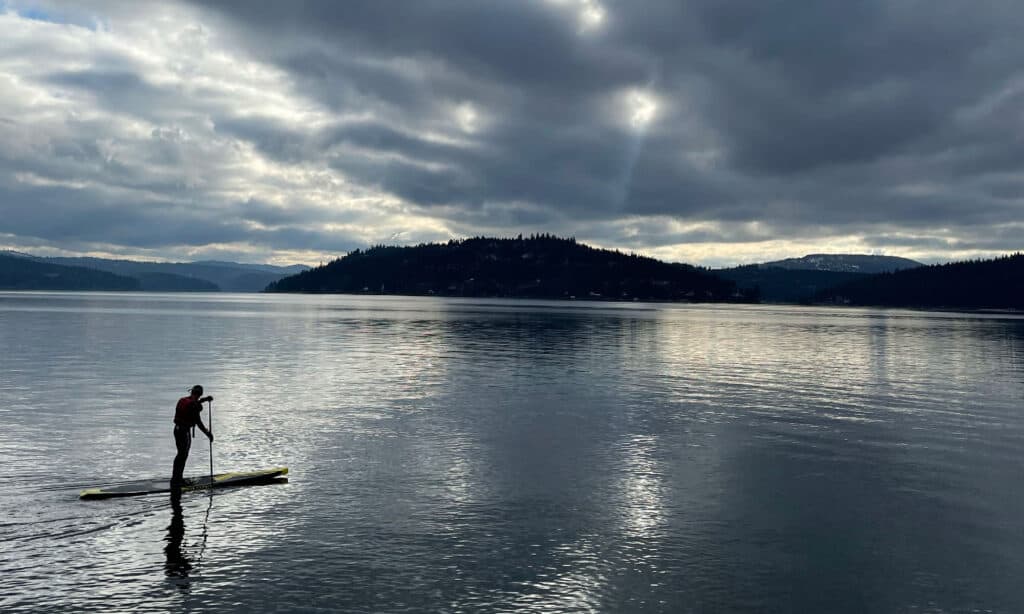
<point>178,564</point>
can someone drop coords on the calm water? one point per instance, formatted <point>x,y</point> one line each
<point>466,455</point>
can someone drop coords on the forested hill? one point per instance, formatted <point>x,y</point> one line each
<point>24,273</point>
<point>844,263</point>
<point>984,284</point>
<point>778,285</point>
<point>537,267</point>
<point>204,276</point>
<point>798,280</point>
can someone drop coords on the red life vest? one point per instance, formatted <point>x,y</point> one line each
<point>187,411</point>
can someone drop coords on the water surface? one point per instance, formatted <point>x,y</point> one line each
<point>513,456</point>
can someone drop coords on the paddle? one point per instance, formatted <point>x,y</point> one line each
<point>211,441</point>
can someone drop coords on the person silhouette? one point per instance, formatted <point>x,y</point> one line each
<point>186,418</point>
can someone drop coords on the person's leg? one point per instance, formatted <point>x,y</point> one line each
<point>183,441</point>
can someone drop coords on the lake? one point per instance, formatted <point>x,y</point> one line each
<point>458,455</point>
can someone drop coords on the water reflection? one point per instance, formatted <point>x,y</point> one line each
<point>182,559</point>
<point>489,456</point>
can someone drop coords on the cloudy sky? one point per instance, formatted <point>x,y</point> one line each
<point>705,131</point>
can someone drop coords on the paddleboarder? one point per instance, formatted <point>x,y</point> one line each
<point>186,418</point>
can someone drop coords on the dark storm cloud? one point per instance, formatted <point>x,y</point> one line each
<point>839,82</point>
<point>786,88</point>
<point>509,44</point>
<point>521,63</point>
<point>60,214</point>
<point>75,217</point>
<point>274,139</point>
<point>979,238</point>
<point>121,91</point>
<point>895,121</point>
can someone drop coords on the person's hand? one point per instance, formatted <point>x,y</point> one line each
<point>210,435</point>
<point>205,399</point>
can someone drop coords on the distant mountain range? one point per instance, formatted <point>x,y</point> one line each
<point>203,276</point>
<point>800,280</point>
<point>544,266</point>
<point>541,266</point>
<point>844,263</point>
<point>20,273</point>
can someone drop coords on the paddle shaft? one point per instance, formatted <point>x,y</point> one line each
<point>211,440</point>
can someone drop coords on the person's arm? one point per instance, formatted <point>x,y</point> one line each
<point>199,418</point>
<point>202,427</point>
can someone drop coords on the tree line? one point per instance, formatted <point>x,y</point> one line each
<point>972,284</point>
<point>538,266</point>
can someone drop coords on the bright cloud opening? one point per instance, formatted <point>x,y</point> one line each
<point>591,15</point>
<point>642,108</point>
<point>467,117</point>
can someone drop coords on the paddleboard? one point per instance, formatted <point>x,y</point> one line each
<point>220,480</point>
